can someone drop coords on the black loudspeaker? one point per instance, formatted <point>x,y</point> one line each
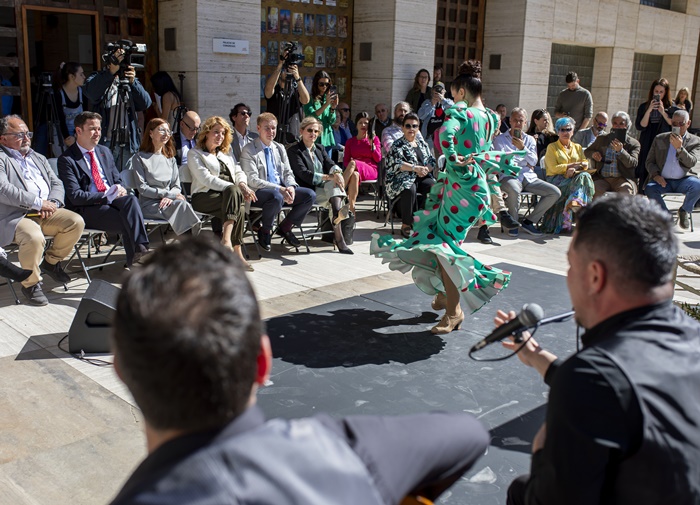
<point>92,324</point>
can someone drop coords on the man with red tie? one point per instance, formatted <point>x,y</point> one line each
<point>94,190</point>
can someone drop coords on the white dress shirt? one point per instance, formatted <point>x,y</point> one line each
<point>36,184</point>
<point>93,188</point>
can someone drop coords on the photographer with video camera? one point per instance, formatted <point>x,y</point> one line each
<point>119,96</point>
<point>285,93</point>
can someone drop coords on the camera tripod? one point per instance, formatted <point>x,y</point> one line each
<point>47,114</point>
<point>120,133</point>
<point>283,133</point>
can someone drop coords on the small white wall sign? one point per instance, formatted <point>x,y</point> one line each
<point>231,46</point>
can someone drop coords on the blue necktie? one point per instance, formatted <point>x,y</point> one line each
<point>271,172</point>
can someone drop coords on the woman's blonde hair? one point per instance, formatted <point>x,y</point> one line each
<point>208,126</point>
<point>307,121</point>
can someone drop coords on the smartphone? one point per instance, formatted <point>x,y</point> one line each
<point>517,133</point>
<point>334,90</point>
<point>676,130</point>
<point>657,97</point>
<point>620,134</point>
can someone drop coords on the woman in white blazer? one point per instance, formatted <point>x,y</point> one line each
<point>219,186</point>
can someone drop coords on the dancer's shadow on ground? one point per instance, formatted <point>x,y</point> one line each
<point>352,337</point>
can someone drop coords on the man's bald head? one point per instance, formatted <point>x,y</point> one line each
<point>189,124</point>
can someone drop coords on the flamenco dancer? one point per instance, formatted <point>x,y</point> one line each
<point>455,203</point>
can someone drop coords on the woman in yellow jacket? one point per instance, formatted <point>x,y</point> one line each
<point>567,169</point>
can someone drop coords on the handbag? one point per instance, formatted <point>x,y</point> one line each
<point>347,227</point>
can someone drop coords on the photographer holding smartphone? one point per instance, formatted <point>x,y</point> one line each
<point>652,119</point>
<point>324,101</point>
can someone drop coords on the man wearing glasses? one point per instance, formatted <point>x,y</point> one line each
<point>31,206</point>
<point>381,112</point>
<point>672,164</point>
<point>240,119</point>
<point>587,136</point>
<point>187,138</point>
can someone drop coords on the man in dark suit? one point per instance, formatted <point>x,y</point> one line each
<point>614,161</point>
<point>94,188</point>
<point>240,119</point>
<point>207,440</point>
<point>266,165</point>
<point>31,206</point>
<point>672,164</point>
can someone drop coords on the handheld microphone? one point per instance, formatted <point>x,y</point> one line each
<point>528,317</point>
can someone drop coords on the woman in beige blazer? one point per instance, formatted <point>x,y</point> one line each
<point>219,186</point>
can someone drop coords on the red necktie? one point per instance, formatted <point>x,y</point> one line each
<point>94,169</point>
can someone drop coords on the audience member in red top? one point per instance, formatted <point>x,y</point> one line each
<point>362,155</point>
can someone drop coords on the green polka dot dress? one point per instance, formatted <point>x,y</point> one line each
<point>457,201</point>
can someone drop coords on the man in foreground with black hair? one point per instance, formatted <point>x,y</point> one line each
<point>622,415</point>
<point>193,352</point>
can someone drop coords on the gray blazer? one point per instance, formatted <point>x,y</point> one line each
<point>255,166</point>
<point>687,156</point>
<point>15,199</point>
<point>235,146</point>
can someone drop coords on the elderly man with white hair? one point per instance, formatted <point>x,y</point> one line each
<point>614,156</point>
<point>672,164</point>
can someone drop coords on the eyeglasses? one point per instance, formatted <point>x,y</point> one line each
<point>411,126</point>
<point>324,84</point>
<point>164,131</point>
<point>380,110</point>
<point>566,129</point>
<point>602,125</point>
<point>191,128</point>
<point>311,130</point>
<point>673,123</point>
<point>244,113</point>
<point>20,135</point>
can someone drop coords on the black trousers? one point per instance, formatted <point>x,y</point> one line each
<point>516,490</point>
<point>122,216</point>
<point>413,198</point>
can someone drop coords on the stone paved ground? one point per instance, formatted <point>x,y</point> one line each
<point>69,432</point>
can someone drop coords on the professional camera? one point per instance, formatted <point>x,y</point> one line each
<point>46,80</point>
<point>130,50</point>
<point>289,56</point>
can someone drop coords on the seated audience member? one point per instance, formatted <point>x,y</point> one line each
<point>186,138</point>
<point>194,365</point>
<point>432,113</point>
<point>395,130</point>
<point>672,164</point>
<point>266,165</point>
<point>31,206</point>
<point>567,169</point>
<point>240,119</point>
<point>9,270</point>
<point>313,169</point>
<point>622,412</point>
<point>160,195</point>
<point>586,136</point>
<point>517,140</point>
<point>219,185</point>
<point>383,119</point>
<point>614,162</point>
<point>94,188</point>
<point>504,125</point>
<point>344,128</point>
<point>420,91</point>
<point>542,130</point>
<point>362,156</point>
<point>409,172</point>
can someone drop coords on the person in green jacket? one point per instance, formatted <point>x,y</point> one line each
<point>324,100</point>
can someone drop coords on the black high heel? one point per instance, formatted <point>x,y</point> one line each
<point>339,241</point>
<point>11,271</point>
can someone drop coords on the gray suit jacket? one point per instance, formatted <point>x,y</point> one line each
<point>255,166</point>
<point>235,146</point>
<point>15,199</point>
<point>687,156</point>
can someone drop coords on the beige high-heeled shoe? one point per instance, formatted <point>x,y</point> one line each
<point>439,302</point>
<point>447,324</point>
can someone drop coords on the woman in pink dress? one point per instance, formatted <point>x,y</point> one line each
<point>362,155</point>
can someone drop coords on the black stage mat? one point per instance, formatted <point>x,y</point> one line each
<point>374,354</point>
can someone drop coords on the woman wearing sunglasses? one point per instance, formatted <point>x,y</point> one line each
<point>322,106</point>
<point>457,201</point>
<point>158,180</point>
<point>567,168</point>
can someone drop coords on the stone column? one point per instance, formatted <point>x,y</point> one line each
<point>214,82</point>
<point>402,38</point>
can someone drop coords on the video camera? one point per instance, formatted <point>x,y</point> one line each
<point>130,50</point>
<point>46,80</point>
<point>289,56</point>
